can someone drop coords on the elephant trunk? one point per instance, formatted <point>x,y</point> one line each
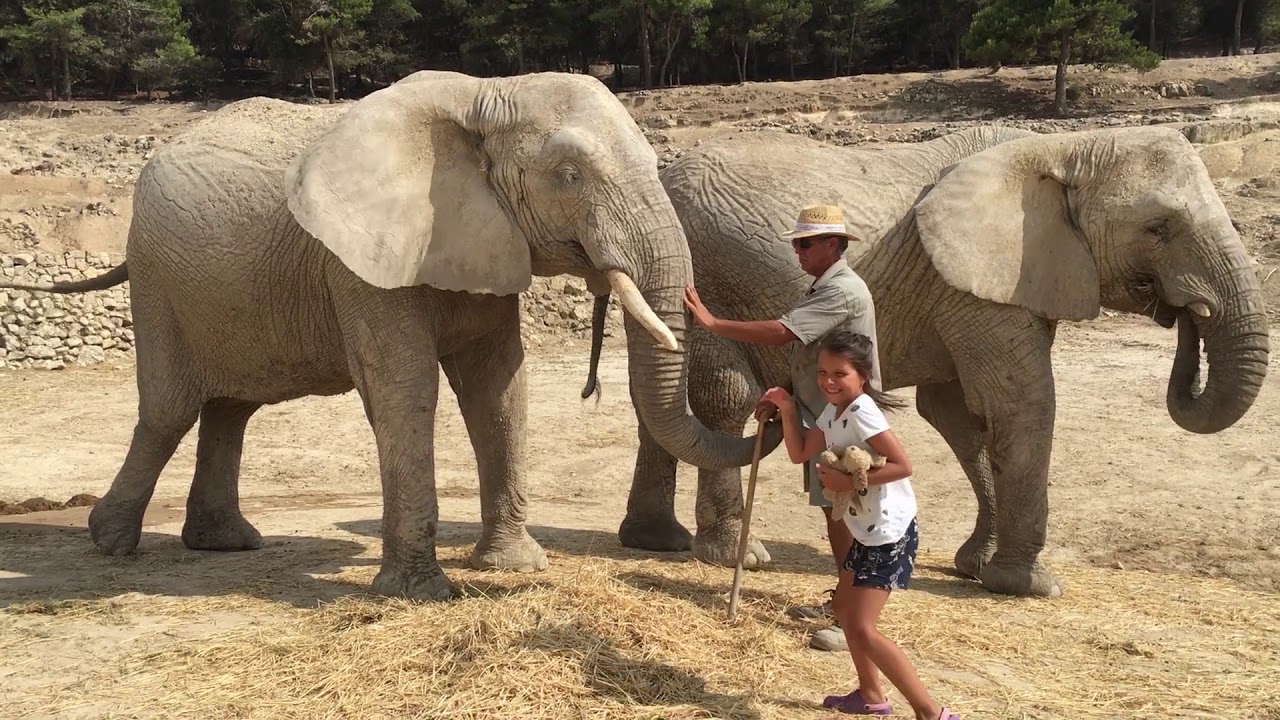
<point>1236,345</point>
<point>655,324</point>
<point>599,314</point>
<point>658,379</point>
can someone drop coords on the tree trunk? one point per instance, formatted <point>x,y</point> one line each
<point>1060,77</point>
<point>670,51</point>
<point>66,75</point>
<point>333,76</point>
<point>1151,27</point>
<point>1235,29</point>
<point>646,60</point>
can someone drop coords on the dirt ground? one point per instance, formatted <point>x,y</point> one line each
<point>1132,495</point>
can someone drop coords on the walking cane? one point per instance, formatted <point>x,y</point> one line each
<point>746,521</point>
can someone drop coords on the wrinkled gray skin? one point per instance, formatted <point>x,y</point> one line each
<point>279,251</point>
<point>969,284</point>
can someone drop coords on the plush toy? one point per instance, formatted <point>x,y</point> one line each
<point>855,461</point>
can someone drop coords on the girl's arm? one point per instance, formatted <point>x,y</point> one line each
<point>896,464</point>
<point>801,444</point>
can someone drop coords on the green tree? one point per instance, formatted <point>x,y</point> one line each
<point>1065,30</point>
<point>141,38</point>
<point>335,26</point>
<point>51,41</point>
<point>846,31</point>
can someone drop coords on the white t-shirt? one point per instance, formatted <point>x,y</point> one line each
<point>889,508</point>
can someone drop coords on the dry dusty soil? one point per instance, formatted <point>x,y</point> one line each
<point>1133,498</point>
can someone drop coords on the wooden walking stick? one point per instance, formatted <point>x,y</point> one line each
<point>746,521</point>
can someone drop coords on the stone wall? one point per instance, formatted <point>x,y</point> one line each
<point>51,331</point>
<point>46,331</point>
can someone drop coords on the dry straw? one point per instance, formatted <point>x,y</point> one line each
<point>617,638</point>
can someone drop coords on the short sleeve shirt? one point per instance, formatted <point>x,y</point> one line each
<point>888,508</point>
<point>837,299</point>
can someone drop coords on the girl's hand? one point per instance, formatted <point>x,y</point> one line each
<point>779,397</point>
<point>835,480</point>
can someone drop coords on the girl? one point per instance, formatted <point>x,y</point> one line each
<point>885,533</point>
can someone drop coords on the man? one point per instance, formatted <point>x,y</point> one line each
<point>838,298</point>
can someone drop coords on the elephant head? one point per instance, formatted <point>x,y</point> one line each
<point>476,184</point>
<point>1128,219</point>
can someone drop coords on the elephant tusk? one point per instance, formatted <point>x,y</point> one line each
<point>1200,309</point>
<point>635,304</point>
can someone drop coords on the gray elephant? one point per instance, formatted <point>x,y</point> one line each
<point>280,250</point>
<point>970,278</point>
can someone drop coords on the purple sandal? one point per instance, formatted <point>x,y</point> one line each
<point>853,704</point>
<point>947,715</point>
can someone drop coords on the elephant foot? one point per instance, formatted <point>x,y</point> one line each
<point>974,554</point>
<point>226,533</point>
<point>114,528</point>
<point>719,546</point>
<point>430,586</point>
<point>1008,578</point>
<point>522,554</point>
<point>657,534</point>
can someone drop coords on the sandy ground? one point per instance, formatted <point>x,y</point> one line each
<point>1131,493</point>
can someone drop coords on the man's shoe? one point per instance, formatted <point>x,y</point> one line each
<point>829,640</point>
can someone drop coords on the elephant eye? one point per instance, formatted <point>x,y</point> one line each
<point>568,175</point>
<point>1158,228</point>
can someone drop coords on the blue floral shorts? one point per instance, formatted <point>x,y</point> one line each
<point>884,566</point>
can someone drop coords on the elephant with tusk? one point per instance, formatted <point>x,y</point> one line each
<point>985,240</point>
<point>280,250</point>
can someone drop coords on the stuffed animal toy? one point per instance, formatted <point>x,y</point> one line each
<point>855,461</point>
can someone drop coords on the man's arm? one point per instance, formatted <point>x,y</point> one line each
<point>760,332</point>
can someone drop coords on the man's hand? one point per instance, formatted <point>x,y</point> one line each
<point>701,315</point>
<point>836,480</point>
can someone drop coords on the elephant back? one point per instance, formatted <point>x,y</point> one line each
<point>264,130</point>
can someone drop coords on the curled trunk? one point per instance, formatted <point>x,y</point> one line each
<point>1236,345</point>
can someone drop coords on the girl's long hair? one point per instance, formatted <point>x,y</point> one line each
<point>857,349</point>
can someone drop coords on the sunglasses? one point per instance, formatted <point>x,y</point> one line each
<point>806,243</point>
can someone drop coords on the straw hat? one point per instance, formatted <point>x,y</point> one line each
<point>820,220</point>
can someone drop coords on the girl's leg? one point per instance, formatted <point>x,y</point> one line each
<point>868,676</point>
<point>861,614</point>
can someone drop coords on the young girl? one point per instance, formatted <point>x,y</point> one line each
<point>885,533</point>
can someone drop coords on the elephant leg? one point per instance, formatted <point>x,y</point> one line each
<point>722,398</point>
<point>650,523</point>
<point>168,404</point>
<point>942,406</point>
<point>488,378</point>
<point>393,361</point>
<point>214,521</point>
<point>1008,381</point>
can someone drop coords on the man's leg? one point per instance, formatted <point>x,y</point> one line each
<point>830,639</point>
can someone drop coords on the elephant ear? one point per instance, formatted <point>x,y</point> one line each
<point>397,190</point>
<point>999,225</point>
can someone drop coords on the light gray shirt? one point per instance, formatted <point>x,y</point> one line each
<point>837,299</point>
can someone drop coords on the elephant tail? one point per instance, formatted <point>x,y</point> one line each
<point>115,276</point>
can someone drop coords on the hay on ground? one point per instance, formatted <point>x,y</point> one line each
<point>608,638</point>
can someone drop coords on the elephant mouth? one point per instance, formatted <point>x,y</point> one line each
<point>1146,291</point>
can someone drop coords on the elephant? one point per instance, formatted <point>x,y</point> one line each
<point>279,250</point>
<point>978,244</point>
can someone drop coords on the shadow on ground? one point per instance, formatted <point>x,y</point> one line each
<point>576,542</point>
<point>60,563</point>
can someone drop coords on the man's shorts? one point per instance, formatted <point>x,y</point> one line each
<point>888,566</point>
